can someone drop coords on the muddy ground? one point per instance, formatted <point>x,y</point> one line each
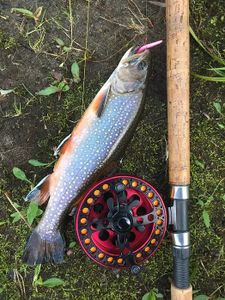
<point>96,36</point>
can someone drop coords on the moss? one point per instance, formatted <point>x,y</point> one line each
<point>7,42</point>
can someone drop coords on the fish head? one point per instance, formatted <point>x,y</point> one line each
<point>131,72</point>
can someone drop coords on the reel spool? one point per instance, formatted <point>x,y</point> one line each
<point>121,222</point>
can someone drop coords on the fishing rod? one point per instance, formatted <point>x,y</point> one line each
<point>177,22</point>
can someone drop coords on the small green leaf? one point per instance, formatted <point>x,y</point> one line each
<point>59,42</point>
<point>37,271</point>
<point>201,203</point>
<point>24,12</point>
<point>2,223</point>
<point>72,244</point>
<point>210,199</point>
<point>48,91</point>
<point>75,72</point>
<point>200,164</point>
<point>63,86</point>
<point>67,49</point>
<point>39,281</point>
<point>13,214</point>
<point>221,126</point>
<point>52,282</point>
<point>218,107</point>
<point>16,205</point>
<point>206,219</point>
<point>224,197</point>
<point>16,217</point>
<point>18,173</point>
<point>37,163</point>
<point>201,297</point>
<point>32,212</point>
<point>39,212</point>
<point>149,296</point>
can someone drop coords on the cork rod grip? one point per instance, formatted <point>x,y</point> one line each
<point>181,294</point>
<point>177,18</point>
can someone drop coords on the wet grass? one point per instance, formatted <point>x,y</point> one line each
<point>146,156</point>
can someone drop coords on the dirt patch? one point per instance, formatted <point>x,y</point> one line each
<point>29,62</point>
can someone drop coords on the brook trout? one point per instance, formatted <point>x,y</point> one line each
<point>94,144</point>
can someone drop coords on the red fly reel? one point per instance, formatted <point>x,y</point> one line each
<point>121,221</point>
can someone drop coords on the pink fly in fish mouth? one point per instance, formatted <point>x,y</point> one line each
<point>88,153</point>
<point>148,46</point>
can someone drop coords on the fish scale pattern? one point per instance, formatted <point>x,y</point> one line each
<point>102,138</point>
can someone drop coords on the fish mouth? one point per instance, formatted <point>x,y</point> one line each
<point>136,55</point>
<point>135,58</point>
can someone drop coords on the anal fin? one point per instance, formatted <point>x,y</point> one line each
<point>40,193</point>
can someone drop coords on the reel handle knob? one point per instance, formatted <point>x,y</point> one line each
<point>135,269</point>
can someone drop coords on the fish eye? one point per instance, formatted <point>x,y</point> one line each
<point>134,61</point>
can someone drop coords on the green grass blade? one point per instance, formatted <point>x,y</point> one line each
<point>222,74</point>
<point>196,38</point>
<point>215,57</point>
<point>209,78</point>
<point>24,12</point>
<point>218,71</point>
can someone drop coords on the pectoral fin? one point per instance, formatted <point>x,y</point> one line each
<point>40,193</point>
<point>59,148</point>
<point>101,100</point>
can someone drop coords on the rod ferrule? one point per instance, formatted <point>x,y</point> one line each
<point>180,192</point>
<point>181,239</point>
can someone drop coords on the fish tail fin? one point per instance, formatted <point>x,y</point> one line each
<point>40,193</point>
<point>39,250</point>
